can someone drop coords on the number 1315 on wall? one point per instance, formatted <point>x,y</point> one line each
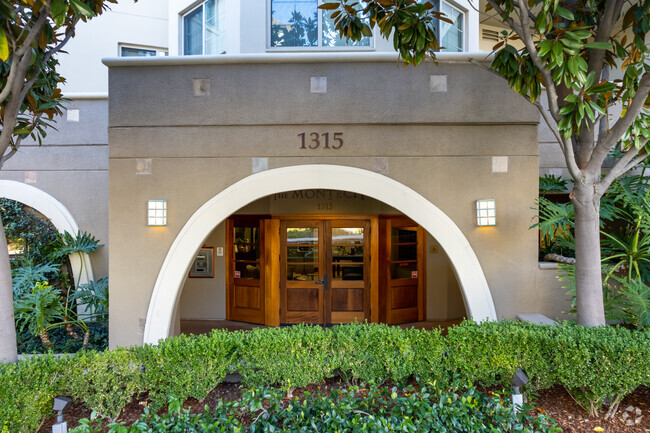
<point>314,140</point>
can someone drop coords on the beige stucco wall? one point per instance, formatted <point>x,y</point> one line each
<point>72,167</point>
<point>441,144</point>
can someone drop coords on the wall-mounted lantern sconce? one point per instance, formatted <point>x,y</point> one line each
<point>157,212</point>
<point>486,212</point>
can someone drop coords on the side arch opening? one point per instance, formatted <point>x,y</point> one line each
<point>58,214</point>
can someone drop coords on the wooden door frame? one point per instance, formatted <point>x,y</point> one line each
<point>231,222</point>
<point>306,222</point>
<point>273,267</point>
<point>385,225</point>
<point>367,278</point>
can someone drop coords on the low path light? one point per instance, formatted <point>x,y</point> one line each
<point>60,404</point>
<point>520,379</point>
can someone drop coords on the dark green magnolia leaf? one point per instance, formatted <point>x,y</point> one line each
<point>565,13</point>
<point>81,8</point>
<point>59,9</point>
<point>598,45</point>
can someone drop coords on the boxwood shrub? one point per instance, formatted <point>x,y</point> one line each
<point>592,363</point>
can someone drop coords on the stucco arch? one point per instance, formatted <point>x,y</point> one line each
<point>474,287</point>
<point>58,214</point>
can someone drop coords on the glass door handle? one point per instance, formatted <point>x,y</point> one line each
<point>323,282</point>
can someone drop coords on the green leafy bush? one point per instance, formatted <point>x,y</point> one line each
<point>491,352</point>
<point>592,363</point>
<point>598,363</point>
<point>289,357</point>
<point>27,391</point>
<point>377,352</point>
<point>187,366</point>
<point>104,381</point>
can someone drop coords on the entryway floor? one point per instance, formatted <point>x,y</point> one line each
<point>205,326</point>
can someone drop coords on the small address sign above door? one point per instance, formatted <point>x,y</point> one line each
<point>326,140</point>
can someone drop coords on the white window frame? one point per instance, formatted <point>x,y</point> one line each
<point>200,4</point>
<point>463,12</point>
<point>320,46</point>
<point>160,51</point>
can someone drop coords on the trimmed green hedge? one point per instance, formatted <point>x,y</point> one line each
<point>592,363</point>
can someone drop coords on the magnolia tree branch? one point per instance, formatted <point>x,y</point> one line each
<point>11,153</point>
<point>527,38</point>
<point>46,59</point>
<point>612,137</point>
<point>34,31</point>
<point>13,105</point>
<point>597,56</point>
<point>530,14</point>
<point>624,164</point>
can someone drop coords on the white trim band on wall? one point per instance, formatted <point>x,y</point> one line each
<point>167,290</point>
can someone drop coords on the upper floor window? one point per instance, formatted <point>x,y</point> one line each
<point>451,35</point>
<point>137,51</point>
<point>299,23</point>
<point>203,29</point>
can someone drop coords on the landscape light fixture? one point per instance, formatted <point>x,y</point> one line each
<point>60,404</point>
<point>486,212</point>
<point>157,212</point>
<point>520,379</point>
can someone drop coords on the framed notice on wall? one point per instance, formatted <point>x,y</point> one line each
<point>203,265</point>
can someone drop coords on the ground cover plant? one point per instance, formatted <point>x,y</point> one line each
<point>368,409</point>
<point>597,366</point>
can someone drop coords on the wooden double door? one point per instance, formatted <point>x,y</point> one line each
<point>324,271</point>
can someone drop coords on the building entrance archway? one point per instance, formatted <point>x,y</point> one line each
<point>58,214</point>
<point>168,286</point>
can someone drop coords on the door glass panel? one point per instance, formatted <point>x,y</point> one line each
<point>302,254</point>
<point>302,272</point>
<point>248,270</point>
<point>403,235</point>
<point>403,270</point>
<point>302,235</point>
<point>246,248</point>
<point>403,252</point>
<point>347,254</point>
<point>247,235</point>
<point>347,272</point>
<point>247,252</point>
<point>347,235</point>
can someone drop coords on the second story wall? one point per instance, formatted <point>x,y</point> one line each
<point>142,24</point>
<point>256,26</point>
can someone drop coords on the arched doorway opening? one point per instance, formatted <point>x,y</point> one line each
<point>58,214</point>
<point>168,286</point>
<point>320,257</point>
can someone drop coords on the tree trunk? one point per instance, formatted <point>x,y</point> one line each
<point>8,347</point>
<point>45,339</point>
<point>589,280</point>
